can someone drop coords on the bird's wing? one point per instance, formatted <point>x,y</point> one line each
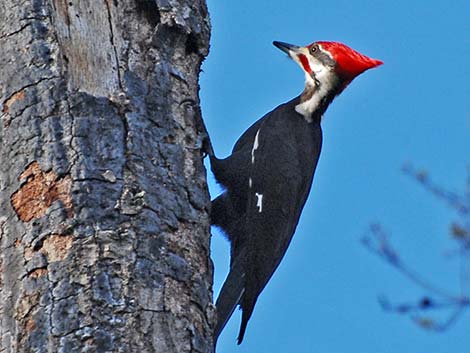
<point>283,164</point>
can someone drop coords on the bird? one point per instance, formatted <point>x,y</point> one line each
<point>268,176</point>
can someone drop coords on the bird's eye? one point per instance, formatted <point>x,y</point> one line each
<point>313,49</point>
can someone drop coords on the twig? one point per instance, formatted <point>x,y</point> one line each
<point>377,242</point>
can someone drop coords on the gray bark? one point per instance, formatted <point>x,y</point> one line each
<point>104,229</point>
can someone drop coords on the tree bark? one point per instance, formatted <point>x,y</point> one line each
<point>104,228</point>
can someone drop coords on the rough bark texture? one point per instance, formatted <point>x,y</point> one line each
<point>103,201</point>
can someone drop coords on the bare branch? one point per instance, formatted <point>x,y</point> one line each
<point>377,241</point>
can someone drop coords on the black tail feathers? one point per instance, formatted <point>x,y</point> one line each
<point>230,296</point>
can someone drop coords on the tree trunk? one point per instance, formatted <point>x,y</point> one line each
<point>103,200</point>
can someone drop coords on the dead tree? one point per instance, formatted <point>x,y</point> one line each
<point>103,199</point>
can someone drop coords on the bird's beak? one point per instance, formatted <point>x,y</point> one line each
<point>287,48</point>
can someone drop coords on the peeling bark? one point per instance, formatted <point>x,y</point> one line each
<point>104,229</point>
<point>39,191</point>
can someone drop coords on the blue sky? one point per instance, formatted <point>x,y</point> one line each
<point>415,108</point>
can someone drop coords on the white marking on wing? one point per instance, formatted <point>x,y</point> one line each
<point>255,147</point>
<point>250,182</point>
<point>259,202</point>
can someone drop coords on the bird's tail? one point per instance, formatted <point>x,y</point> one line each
<point>229,297</point>
<point>247,311</point>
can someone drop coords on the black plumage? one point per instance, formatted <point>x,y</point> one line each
<point>281,168</point>
<point>268,176</point>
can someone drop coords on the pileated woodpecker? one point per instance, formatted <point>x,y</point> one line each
<point>268,176</point>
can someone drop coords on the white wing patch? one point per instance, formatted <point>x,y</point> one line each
<point>259,202</point>
<point>255,147</point>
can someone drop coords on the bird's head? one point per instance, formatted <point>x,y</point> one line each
<point>329,63</point>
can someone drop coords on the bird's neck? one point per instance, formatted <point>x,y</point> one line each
<point>316,97</point>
